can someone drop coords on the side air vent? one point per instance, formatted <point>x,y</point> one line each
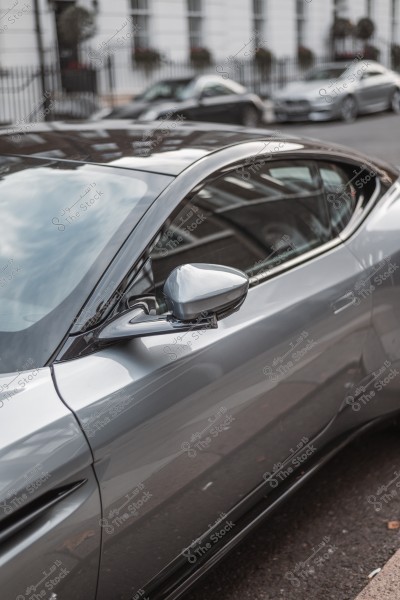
<point>27,514</point>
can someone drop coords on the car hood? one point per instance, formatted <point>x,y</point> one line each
<point>133,110</point>
<point>304,89</point>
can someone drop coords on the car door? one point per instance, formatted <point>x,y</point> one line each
<point>216,103</point>
<point>184,428</point>
<point>375,90</point>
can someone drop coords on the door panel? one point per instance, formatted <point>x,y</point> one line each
<point>183,429</point>
<point>49,498</point>
<point>374,92</point>
<point>212,109</point>
<point>377,246</point>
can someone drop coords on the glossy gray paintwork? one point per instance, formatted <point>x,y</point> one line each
<point>167,392</point>
<point>141,405</point>
<point>139,323</point>
<point>146,399</point>
<point>193,289</point>
<point>43,449</point>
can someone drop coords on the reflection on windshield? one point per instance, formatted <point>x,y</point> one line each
<point>165,90</point>
<point>56,223</point>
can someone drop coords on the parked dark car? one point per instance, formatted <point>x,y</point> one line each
<point>201,98</point>
<point>187,334</point>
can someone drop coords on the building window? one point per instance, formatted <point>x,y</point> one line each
<point>340,7</point>
<point>195,22</point>
<point>258,19</point>
<point>395,21</point>
<point>301,18</point>
<point>140,13</point>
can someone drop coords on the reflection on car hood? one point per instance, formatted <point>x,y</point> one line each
<point>134,109</point>
<point>304,89</point>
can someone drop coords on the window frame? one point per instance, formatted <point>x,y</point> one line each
<point>127,265</point>
<point>141,16</point>
<point>302,258</point>
<point>195,16</point>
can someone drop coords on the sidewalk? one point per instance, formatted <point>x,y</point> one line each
<point>385,585</point>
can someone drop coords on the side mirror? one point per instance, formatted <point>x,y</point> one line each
<point>197,296</point>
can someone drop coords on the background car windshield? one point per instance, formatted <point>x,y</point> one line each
<point>165,90</point>
<point>327,73</point>
<point>60,228</point>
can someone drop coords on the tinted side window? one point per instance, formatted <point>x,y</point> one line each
<point>216,89</point>
<point>253,218</point>
<point>369,74</point>
<point>347,189</point>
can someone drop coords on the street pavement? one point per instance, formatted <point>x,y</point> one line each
<point>343,505</point>
<point>340,503</point>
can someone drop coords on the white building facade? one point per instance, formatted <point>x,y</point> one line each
<point>224,27</point>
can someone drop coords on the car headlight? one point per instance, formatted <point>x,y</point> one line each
<point>149,115</point>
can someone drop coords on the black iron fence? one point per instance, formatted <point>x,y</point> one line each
<point>77,92</point>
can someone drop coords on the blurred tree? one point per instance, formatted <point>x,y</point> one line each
<point>76,25</point>
<point>305,56</point>
<point>365,29</point>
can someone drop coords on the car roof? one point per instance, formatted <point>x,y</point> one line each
<point>347,63</point>
<point>166,147</point>
<point>172,80</point>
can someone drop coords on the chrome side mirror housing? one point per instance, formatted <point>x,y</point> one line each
<point>194,289</point>
<point>197,296</point>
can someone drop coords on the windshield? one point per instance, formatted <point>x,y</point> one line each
<point>165,90</point>
<point>61,225</point>
<point>325,73</point>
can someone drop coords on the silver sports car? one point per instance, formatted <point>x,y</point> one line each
<point>192,323</point>
<point>339,90</point>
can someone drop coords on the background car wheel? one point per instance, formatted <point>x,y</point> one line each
<point>250,117</point>
<point>395,102</point>
<point>349,109</point>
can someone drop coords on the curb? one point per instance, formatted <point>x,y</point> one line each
<point>385,585</point>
